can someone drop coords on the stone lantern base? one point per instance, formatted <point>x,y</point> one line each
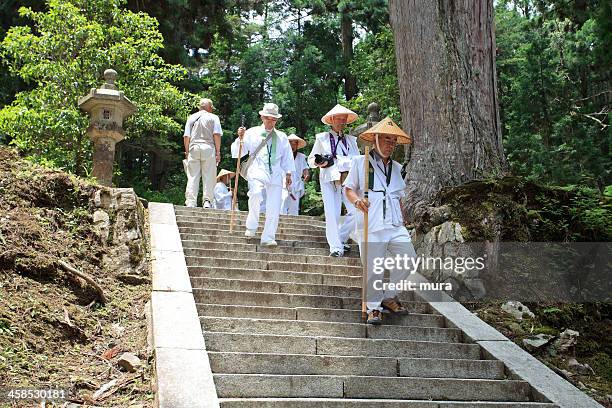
<point>104,142</point>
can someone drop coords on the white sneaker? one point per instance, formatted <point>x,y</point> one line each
<point>249,233</point>
<point>206,204</point>
<point>269,243</point>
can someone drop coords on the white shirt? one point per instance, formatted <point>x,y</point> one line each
<point>344,155</point>
<point>380,193</point>
<point>297,182</point>
<point>259,169</point>
<point>223,197</point>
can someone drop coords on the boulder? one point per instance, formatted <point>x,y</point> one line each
<point>583,369</point>
<point>129,362</point>
<point>568,338</point>
<point>517,309</point>
<point>537,342</point>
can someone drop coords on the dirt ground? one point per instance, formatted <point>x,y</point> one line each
<point>54,330</point>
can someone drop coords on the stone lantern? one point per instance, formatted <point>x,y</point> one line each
<point>107,107</point>
<point>373,118</point>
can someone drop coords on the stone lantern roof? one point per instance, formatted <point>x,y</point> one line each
<point>108,95</point>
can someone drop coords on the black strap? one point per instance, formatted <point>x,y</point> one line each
<point>387,179</point>
<point>334,146</point>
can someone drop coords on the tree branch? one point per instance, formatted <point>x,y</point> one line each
<point>85,277</point>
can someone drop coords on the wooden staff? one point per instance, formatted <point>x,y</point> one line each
<point>364,283</point>
<point>235,197</point>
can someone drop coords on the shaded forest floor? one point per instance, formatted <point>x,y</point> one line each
<point>594,346</point>
<point>53,331</point>
<point>513,209</point>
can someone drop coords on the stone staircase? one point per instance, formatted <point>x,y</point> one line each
<point>283,328</point>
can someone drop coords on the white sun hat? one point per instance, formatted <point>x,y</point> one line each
<point>301,142</point>
<point>339,110</point>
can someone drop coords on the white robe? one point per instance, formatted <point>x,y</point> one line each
<point>337,234</point>
<point>223,197</point>
<point>261,181</point>
<point>292,194</point>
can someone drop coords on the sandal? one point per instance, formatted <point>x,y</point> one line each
<point>375,317</point>
<point>394,305</point>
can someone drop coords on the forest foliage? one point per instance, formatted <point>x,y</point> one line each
<point>553,67</point>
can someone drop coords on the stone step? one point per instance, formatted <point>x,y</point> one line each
<point>268,256</point>
<point>242,298</point>
<point>286,230</point>
<point>327,386</point>
<point>275,287</point>
<point>274,265</point>
<point>316,314</point>
<point>311,364</point>
<point>301,364</point>
<point>181,210</point>
<point>256,247</point>
<point>241,239</point>
<point>324,345</point>
<point>351,313</point>
<point>368,403</point>
<point>242,221</point>
<point>213,231</point>
<point>336,329</point>
<point>273,275</point>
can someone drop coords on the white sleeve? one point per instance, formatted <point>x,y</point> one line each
<point>218,192</point>
<point>304,164</point>
<point>355,147</point>
<point>353,180</point>
<point>217,128</point>
<point>316,149</point>
<point>287,162</point>
<point>236,146</point>
<point>189,125</point>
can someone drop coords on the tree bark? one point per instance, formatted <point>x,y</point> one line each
<point>448,95</point>
<point>350,82</point>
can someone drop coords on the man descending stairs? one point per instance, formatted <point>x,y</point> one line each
<point>283,328</point>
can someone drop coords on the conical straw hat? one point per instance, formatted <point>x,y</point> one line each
<point>223,172</point>
<point>301,142</point>
<point>386,127</point>
<point>339,110</point>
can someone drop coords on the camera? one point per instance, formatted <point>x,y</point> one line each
<point>325,159</point>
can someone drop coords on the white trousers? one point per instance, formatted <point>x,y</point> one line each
<point>382,244</point>
<point>201,162</point>
<point>336,234</point>
<point>290,206</point>
<point>257,189</point>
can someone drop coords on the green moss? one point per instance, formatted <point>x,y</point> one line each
<point>546,330</point>
<point>514,209</point>
<point>601,363</point>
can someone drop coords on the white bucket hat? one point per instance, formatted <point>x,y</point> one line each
<point>339,110</point>
<point>270,109</point>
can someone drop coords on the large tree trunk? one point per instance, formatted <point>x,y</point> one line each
<point>346,28</point>
<point>446,70</point>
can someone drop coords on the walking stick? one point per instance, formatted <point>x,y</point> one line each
<point>364,283</point>
<point>235,197</point>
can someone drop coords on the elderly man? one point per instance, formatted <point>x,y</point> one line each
<point>387,235</point>
<point>202,141</point>
<point>223,194</point>
<point>333,152</point>
<point>293,194</point>
<point>270,163</point>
